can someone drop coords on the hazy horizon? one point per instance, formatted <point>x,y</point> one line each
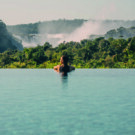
<point>23,12</point>
<point>71,20</point>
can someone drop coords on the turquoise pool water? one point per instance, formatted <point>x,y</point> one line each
<point>86,102</point>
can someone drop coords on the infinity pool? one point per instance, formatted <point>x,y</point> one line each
<point>86,102</point>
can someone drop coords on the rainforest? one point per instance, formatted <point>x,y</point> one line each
<point>97,53</point>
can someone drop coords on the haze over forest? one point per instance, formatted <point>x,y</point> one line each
<point>58,31</point>
<point>105,41</point>
<point>111,18</point>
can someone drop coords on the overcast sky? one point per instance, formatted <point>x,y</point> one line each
<point>30,11</point>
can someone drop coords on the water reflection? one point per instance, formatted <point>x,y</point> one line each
<point>64,79</point>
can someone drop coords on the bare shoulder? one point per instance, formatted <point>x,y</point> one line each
<point>56,68</point>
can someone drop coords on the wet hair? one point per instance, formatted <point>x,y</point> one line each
<point>65,69</point>
<point>65,59</point>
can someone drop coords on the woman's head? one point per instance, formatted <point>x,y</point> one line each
<point>64,60</point>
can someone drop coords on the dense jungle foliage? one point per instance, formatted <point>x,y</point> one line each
<point>98,53</point>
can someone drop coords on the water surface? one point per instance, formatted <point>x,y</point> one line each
<point>86,102</point>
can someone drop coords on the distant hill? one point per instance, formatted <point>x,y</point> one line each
<point>57,31</point>
<point>121,33</point>
<point>62,26</point>
<point>7,41</point>
<point>51,27</point>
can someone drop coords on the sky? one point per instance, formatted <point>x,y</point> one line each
<point>29,11</point>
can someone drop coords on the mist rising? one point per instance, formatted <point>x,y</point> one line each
<point>55,32</point>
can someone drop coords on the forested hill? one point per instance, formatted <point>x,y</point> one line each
<point>51,27</point>
<point>7,41</point>
<point>63,26</point>
<point>98,53</point>
<point>121,33</point>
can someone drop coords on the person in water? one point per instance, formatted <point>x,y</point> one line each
<point>64,67</point>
